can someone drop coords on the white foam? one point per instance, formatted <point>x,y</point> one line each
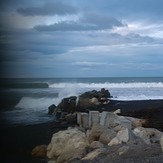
<point>108,85</point>
<point>37,103</point>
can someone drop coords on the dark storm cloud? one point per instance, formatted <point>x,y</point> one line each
<point>87,23</point>
<point>56,8</point>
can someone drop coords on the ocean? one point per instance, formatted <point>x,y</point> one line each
<point>25,101</point>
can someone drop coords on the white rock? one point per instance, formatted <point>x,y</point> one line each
<point>114,141</point>
<point>67,144</point>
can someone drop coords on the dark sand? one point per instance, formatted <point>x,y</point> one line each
<point>18,142</point>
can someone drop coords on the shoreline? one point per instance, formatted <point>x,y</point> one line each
<point>18,141</point>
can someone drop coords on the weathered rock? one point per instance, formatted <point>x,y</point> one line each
<point>94,118</point>
<point>39,151</point>
<point>114,141</point>
<point>66,145</point>
<point>119,128</point>
<point>126,136</point>
<point>112,120</point>
<point>86,104</point>
<point>148,135</point>
<point>136,122</point>
<point>161,142</point>
<point>123,150</point>
<point>51,109</point>
<point>71,117</point>
<point>68,104</point>
<point>95,133</point>
<point>96,144</point>
<point>97,94</point>
<point>95,153</point>
<point>107,136</point>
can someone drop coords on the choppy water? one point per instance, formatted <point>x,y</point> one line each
<point>25,101</point>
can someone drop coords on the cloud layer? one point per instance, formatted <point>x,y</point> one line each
<point>81,38</point>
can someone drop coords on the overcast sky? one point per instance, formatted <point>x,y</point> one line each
<point>81,38</point>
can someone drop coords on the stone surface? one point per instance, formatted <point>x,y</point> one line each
<point>148,135</point>
<point>126,135</point>
<point>136,122</point>
<point>96,144</point>
<point>92,155</point>
<point>123,150</point>
<point>107,135</point>
<point>94,118</point>
<point>67,144</point>
<point>112,120</point>
<point>95,133</point>
<point>161,142</point>
<point>114,141</point>
<point>39,151</point>
<point>71,117</point>
<point>68,104</point>
<point>83,119</point>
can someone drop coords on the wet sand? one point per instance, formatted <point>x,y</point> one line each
<point>18,142</point>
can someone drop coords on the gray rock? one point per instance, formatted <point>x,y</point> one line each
<point>96,144</point>
<point>148,135</point>
<point>95,133</point>
<point>107,135</point>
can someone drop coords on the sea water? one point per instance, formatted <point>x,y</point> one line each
<point>25,101</point>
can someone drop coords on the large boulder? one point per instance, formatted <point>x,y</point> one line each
<point>124,136</point>
<point>96,144</point>
<point>107,136</point>
<point>66,145</point>
<point>112,120</point>
<point>98,94</point>
<point>148,135</point>
<point>92,100</point>
<point>95,132</point>
<point>68,104</point>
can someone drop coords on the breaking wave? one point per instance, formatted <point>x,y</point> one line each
<point>108,85</point>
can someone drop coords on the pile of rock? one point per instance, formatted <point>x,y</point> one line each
<point>91,100</point>
<point>105,134</point>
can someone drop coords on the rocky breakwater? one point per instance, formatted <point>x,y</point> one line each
<point>151,110</point>
<point>105,137</point>
<point>91,100</point>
